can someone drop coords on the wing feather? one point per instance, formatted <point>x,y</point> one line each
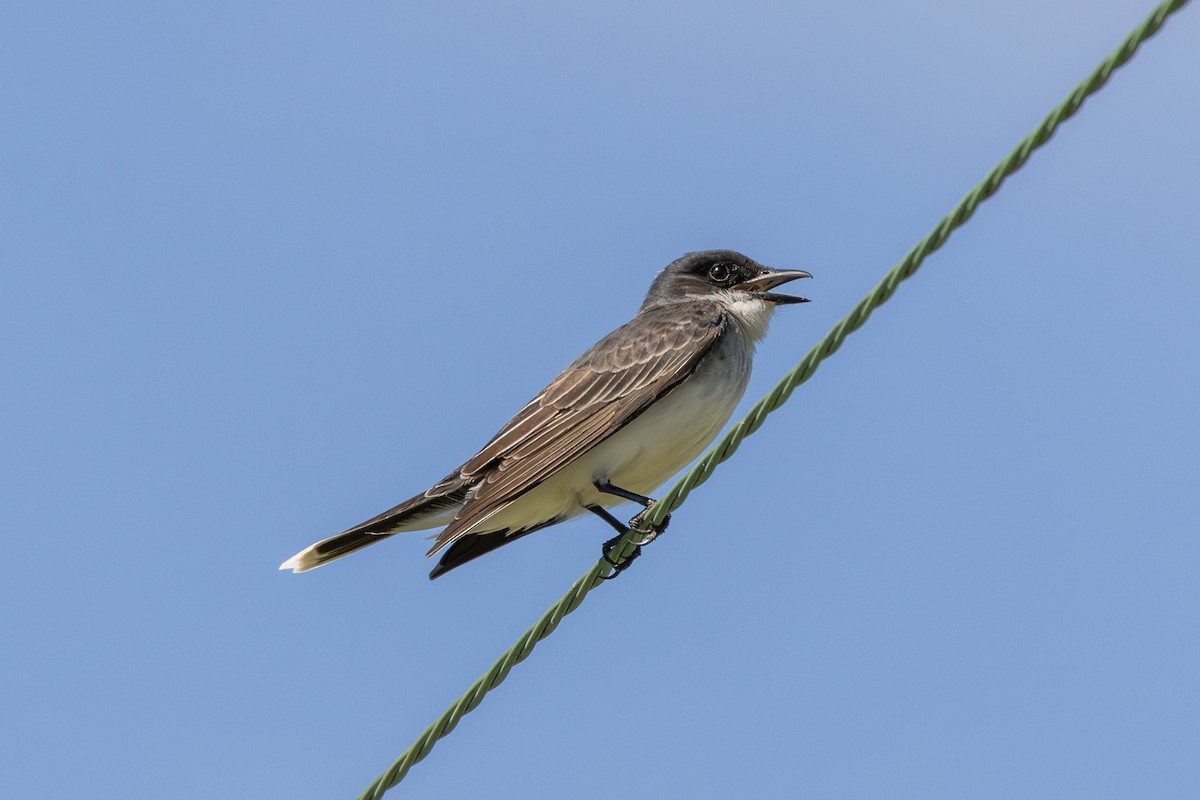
<point>592,399</point>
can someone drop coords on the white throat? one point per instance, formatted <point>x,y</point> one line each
<point>751,314</point>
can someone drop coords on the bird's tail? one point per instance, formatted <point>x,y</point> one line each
<point>435,507</point>
<point>329,549</point>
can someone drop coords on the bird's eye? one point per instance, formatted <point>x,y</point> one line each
<point>718,273</point>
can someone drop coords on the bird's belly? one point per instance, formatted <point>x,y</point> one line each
<point>665,438</point>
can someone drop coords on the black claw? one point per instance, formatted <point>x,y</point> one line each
<point>621,566</point>
<point>608,546</point>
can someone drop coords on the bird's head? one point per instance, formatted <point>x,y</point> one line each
<point>722,275</point>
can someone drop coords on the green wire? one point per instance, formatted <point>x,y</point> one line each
<point>728,444</point>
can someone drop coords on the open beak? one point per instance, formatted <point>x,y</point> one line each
<point>770,278</point>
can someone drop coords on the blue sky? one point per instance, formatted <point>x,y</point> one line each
<point>272,268</point>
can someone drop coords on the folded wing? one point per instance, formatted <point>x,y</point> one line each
<point>595,397</point>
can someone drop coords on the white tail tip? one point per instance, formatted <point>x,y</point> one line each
<point>301,562</point>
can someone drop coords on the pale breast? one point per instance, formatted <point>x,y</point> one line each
<point>641,456</point>
<point>676,428</point>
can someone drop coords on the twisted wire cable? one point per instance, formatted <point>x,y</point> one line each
<point>754,419</point>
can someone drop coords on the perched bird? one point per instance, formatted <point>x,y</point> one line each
<point>628,414</point>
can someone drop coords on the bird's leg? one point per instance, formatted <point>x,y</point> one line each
<point>607,547</point>
<point>603,514</point>
<point>648,533</point>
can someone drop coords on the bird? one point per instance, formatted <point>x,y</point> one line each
<point>625,416</point>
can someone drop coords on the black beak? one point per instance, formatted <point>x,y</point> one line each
<point>769,279</point>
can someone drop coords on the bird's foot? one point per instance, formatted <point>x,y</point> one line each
<point>618,566</point>
<point>648,532</point>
